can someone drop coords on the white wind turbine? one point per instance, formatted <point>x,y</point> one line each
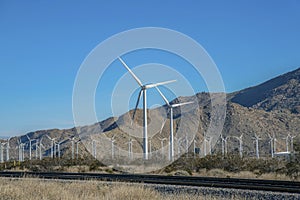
<point>1,152</point>
<point>40,148</point>
<point>53,151</point>
<point>210,147</point>
<point>73,142</point>
<point>144,91</point>
<point>186,140</point>
<point>58,146</point>
<point>256,144</point>
<point>7,150</point>
<point>287,142</point>
<point>271,144</point>
<point>30,145</point>
<point>240,139</point>
<point>21,150</point>
<point>162,146</point>
<point>112,140</point>
<point>292,142</point>
<point>170,107</point>
<point>179,141</point>
<point>77,150</point>
<point>130,153</point>
<point>94,148</point>
<point>73,146</point>
<point>224,144</point>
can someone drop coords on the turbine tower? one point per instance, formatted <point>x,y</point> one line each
<point>40,148</point>
<point>1,152</point>
<point>130,153</point>
<point>112,140</point>
<point>271,145</point>
<point>144,91</point>
<point>53,149</point>
<point>292,142</point>
<point>240,139</point>
<point>30,145</point>
<point>58,146</point>
<point>162,146</point>
<point>256,144</point>
<point>223,143</point>
<point>171,106</point>
<point>7,150</point>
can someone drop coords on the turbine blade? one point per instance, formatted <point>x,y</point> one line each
<point>181,104</point>
<point>136,105</point>
<point>162,126</point>
<point>163,96</point>
<point>160,83</point>
<point>132,74</point>
<point>48,137</point>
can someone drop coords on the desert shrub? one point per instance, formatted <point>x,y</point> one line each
<point>293,167</point>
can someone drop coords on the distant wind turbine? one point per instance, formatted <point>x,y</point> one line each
<point>170,107</point>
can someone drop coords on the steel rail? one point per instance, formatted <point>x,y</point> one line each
<point>234,183</point>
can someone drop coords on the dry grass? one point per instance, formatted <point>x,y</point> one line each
<point>35,189</point>
<point>243,174</point>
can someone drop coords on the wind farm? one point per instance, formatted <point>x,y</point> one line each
<point>149,100</point>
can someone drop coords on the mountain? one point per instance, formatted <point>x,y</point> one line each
<point>268,109</point>
<point>282,92</point>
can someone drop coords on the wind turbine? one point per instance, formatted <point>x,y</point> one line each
<point>224,143</point>
<point>21,150</point>
<point>77,148</point>
<point>40,148</point>
<point>1,152</point>
<point>287,142</point>
<point>53,151</point>
<point>240,139</point>
<point>256,144</point>
<point>186,139</point>
<point>130,148</point>
<point>73,144</point>
<point>207,140</point>
<point>292,142</point>
<point>144,91</point>
<point>272,145</point>
<point>210,147</point>
<point>94,150</point>
<point>275,143</point>
<point>7,150</point>
<point>171,106</point>
<point>58,146</point>
<point>204,146</point>
<point>112,140</point>
<point>162,146</point>
<point>30,145</point>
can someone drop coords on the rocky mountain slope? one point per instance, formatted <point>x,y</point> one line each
<point>282,92</point>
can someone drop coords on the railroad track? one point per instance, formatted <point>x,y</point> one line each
<point>234,183</point>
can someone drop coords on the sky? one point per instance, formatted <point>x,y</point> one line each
<point>44,43</point>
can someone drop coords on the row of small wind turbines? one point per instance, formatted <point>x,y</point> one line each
<point>289,142</point>
<point>206,144</point>
<point>38,147</point>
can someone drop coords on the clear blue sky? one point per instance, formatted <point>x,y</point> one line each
<point>43,43</point>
